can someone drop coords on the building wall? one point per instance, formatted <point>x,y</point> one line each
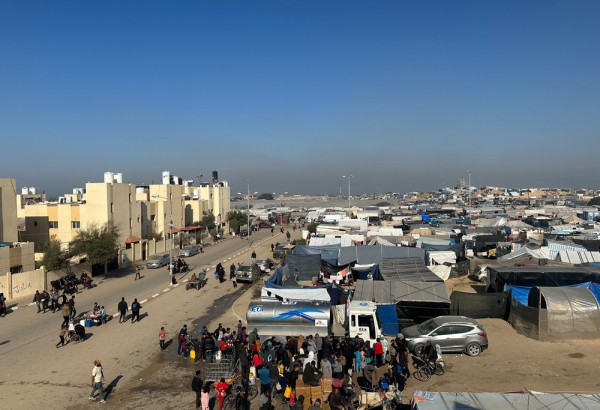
<point>19,257</point>
<point>170,205</point>
<point>36,230</point>
<point>42,214</point>
<point>8,210</point>
<point>218,198</point>
<point>24,284</point>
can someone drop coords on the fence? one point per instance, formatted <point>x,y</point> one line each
<point>19,285</point>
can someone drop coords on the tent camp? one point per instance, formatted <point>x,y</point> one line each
<point>499,276</point>
<point>407,270</point>
<point>480,305</point>
<point>560,314</point>
<point>501,401</point>
<point>373,254</point>
<point>307,265</point>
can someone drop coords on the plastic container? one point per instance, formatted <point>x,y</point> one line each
<point>88,323</point>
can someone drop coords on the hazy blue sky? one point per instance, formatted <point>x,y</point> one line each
<point>294,94</point>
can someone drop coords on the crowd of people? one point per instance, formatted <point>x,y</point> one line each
<point>278,364</point>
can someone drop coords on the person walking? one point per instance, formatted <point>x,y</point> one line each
<point>197,388</point>
<point>205,397</point>
<point>137,273</point>
<point>234,281</point>
<point>54,300</point>
<point>97,379</point>
<point>287,234</point>
<point>72,310</point>
<point>122,310</point>
<point>221,388</point>
<point>135,310</point>
<point>181,339</point>
<point>162,336</point>
<point>253,256</point>
<point>232,271</point>
<point>37,298</point>
<point>63,332</point>
<point>65,315</point>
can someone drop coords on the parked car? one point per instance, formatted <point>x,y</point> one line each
<point>157,261</point>
<point>246,272</point>
<point>188,251</point>
<point>279,251</point>
<point>265,265</point>
<point>479,274</point>
<point>452,333</point>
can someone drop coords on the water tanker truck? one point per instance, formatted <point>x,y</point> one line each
<point>309,318</point>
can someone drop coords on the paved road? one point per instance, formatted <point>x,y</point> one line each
<point>25,326</point>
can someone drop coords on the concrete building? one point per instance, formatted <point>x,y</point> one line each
<point>8,210</point>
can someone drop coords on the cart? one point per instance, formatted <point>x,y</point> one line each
<point>196,283</point>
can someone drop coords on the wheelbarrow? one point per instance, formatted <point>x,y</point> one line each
<point>196,283</point>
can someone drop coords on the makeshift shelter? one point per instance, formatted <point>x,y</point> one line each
<point>521,293</point>
<point>500,401</point>
<point>499,276</point>
<point>364,272</point>
<point>373,254</point>
<point>308,265</point>
<point>407,270</point>
<point>440,257</point>
<point>578,257</point>
<point>329,253</point>
<point>560,314</point>
<point>480,305</point>
<point>442,271</point>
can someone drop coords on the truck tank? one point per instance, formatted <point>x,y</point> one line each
<point>289,318</point>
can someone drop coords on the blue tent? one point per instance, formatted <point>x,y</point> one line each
<point>521,293</point>
<point>389,319</point>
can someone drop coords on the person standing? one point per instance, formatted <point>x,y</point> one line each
<point>234,281</point>
<point>253,256</point>
<point>122,310</point>
<point>103,315</point>
<point>273,377</point>
<point>162,336</point>
<point>135,310</point>
<point>63,332</point>
<point>181,338</point>
<point>197,388</point>
<point>97,379</point>
<point>232,271</point>
<point>72,310</point>
<point>221,388</point>
<point>37,298</point>
<point>54,300</point>
<point>264,403</point>
<point>287,234</point>
<point>378,349</point>
<point>205,397</point>
<point>65,314</point>
<point>137,273</point>
<point>241,401</point>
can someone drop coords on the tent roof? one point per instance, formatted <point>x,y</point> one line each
<point>513,401</point>
<point>394,292</point>
<point>375,253</point>
<point>407,270</point>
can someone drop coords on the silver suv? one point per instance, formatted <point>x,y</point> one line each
<point>247,272</point>
<point>157,261</point>
<point>452,333</point>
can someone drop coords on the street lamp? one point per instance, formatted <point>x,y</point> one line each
<point>344,176</point>
<point>248,211</point>
<point>170,234</point>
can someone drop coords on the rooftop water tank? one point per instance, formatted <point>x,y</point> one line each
<point>166,177</point>
<point>215,176</point>
<point>118,178</point>
<point>140,190</point>
<point>32,190</point>
<point>24,190</point>
<point>108,178</point>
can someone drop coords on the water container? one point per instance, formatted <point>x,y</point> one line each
<point>166,177</point>
<point>82,323</point>
<point>218,355</point>
<point>252,377</point>
<point>24,191</point>
<point>108,177</point>
<point>118,178</point>
<point>32,190</point>
<point>88,323</point>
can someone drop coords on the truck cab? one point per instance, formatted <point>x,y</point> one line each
<point>364,322</point>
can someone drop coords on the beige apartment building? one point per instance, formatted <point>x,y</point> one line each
<point>8,210</point>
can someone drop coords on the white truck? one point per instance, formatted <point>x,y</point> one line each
<point>309,318</point>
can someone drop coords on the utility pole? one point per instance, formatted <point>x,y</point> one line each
<point>344,176</point>
<point>469,188</point>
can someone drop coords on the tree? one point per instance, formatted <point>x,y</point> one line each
<point>595,201</point>
<point>236,219</point>
<point>99,243</point>
<point>54,256</point>
<point>299,242</point>
<point>312,228</point>
<point>268,197</point>
<point>157,236</point>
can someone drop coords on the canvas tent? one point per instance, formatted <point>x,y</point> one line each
<point>373,254</point>
<point>480,305</point>
<point>440,257</point>
<point>407,270</point>
<point>502,401</point>
<point>307,265</point>
<point>560,314</point>
<point>499,276</point>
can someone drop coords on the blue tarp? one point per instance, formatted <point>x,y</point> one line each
<point>276,278</point>
<point>389,319</point>
<point>424,218</point>
<point>521,293</point>
<point>335,294</point>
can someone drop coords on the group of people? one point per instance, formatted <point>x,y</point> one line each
<point>206,347</point>
<point>69,283</point>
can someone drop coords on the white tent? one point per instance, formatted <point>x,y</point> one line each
<point>440,257</point>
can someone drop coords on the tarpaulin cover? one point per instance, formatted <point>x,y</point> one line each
<point>276,277</point>
<point>571,310</point>
<point>363,273</point>
<point>406,269</point>
<point>590,245</point>
<point>331,269</point>
<point>307,265</point>
<point>501,401</point>
<point>484,240</point>
<point>393,292</point>
<point>455,247</point>
<point>329,252</point>
<point>521,293</point>
<point>440,257</point>
<point>335,294</point>
<point>543,276</point>
<point>312,294</point>
<point>389,319</point>
<point>480,305</point>
<point>373,254</point>
<point>442,271</point>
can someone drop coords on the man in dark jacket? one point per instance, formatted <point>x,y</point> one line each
<point>241,401</point>
<point>135,310</point>
<point>232,270</point>
<point>311,375</point>
<point>243,353</point>
<point>252,337</point>
<point>328,346</point>
<point>122,310</point>
<point>293,376</point>
<point>209,347</point>
<point>197,387</point>
<point>273,377</point>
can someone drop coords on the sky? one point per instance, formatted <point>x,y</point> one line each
<point>292,95</point>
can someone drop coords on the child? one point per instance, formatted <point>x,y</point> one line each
<point>234,280</point>
<point>293,400</point>
<point>221,388</point>
<point>357,359</point>
<point>205,399</point>
<point>184,348</point>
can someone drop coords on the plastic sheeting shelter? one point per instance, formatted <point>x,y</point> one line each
<point>364,272</point>
<point>503,401</point>
<point>407,270</point>
<point>374,254</point>
<point>480,305</point>
<point>561,314</point>
<point>499,276</point>
<point>329,253</point>
<point>521,293</point>
<point>389,319</point>
<point>307,265</point>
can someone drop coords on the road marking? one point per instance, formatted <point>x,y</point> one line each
<point>166,290</point>
<point>155,295</point>
<point>143,301</point>
<point>176,285</point>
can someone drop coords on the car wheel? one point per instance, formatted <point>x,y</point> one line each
<point>473,349</point>
<point>418,348</point>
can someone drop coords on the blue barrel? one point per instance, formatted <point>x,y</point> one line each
<point>88,323</point>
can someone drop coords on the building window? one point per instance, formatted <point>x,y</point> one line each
<point>129,198</point>
<point>138,219</point>
<point>16,269</point>
<point>75,225</point>
<point>152,217</point>
<point>130,223</point>
<point>112,207</point>
<point>53,224</point>
<point>34,223</point>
